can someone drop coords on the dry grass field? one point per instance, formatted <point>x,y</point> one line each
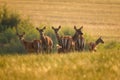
<point>98,17</point>
<point>74,66</point>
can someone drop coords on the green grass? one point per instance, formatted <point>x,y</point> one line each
<point>73,66</point>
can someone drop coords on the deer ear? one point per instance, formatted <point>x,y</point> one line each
<point>23,33</point>
<point>53,27</point>
<point>75,27</point>
<point>37,28</point>
<point>81,27</point>
<point>59,26</point>
<point>44,27</point>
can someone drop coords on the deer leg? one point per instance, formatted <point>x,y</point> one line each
<point>83,44</point>
<point>66,41</point>
<point>69,45</point>
<point>95,50</point>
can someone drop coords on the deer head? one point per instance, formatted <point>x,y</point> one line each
<point>100,40</point>
<point>56,29</point>
<point>21,36</point>
<point>41,30</point>
<point>78,31</point>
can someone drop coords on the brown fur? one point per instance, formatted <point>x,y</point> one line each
<point>47,43</point>
<point>93,45</point>
<point>71,43</point>
<point>78,39</point>
<point>33,46</point>
<point>79,44</point>
<point>64,41</point>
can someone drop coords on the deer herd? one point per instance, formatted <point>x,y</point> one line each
<point>65,43</point>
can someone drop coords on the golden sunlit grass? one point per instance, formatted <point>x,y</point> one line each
<point>72,66</point>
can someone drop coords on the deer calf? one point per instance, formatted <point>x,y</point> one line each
<point>33,46</point>
<point>92,45</point>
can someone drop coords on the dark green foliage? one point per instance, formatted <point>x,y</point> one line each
<point>9,41</point>
<point>8,19</point>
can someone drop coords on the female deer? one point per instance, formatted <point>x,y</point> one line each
<point>68,41</point>
<point>47,42</point>
<point>78,39</point>
<point>34,45</point>
<point>93,45</point>
<point>64,42</point>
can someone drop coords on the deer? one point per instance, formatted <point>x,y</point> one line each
<point>78,39</point>
<point>67,41</point>
<point>92,45</point>
<point>64,42</point>
<point>47,43</point>
<point>30,46</point>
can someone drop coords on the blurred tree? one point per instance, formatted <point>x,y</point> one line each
<point>8,19</point>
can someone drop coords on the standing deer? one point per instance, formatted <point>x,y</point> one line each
<point>47,43</point>
<point>64,42</point>
<point>93,45</point>
<point>78,39</point>
<point>34,45</point>
<point>68,42</point>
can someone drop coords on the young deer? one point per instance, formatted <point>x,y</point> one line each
<point>34,45</point>
<point>47,43</point>
<point>93,45</point>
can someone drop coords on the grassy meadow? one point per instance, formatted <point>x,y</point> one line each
<point>72,66</point>
<point>98,18</point>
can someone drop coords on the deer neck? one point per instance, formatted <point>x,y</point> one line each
<point>43,38</point>
<point>75,36</point>
<point>23,41</point>
<point>58,37</point>
<point>97,42</point>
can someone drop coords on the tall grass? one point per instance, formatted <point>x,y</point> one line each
<point>72,66</point>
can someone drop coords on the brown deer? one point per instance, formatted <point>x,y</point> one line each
<point>64,42</point>
<point>33,46</point>
<point>78,39</point>
<point>92,45</point>
<point>68,42</point>
<point>47,43</point>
